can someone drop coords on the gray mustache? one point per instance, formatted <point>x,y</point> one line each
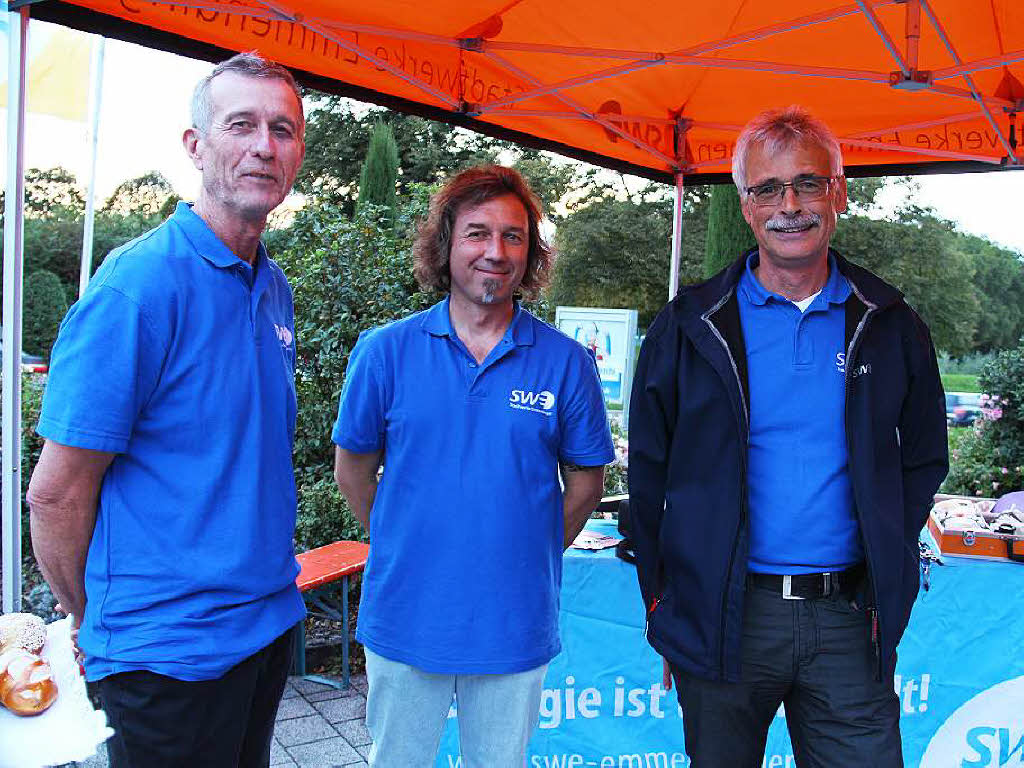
<point>786,222</point>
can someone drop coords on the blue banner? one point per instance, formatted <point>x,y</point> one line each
<point>960,676</point>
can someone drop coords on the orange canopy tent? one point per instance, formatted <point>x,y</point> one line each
<point>657,88</point>
<point>651,88</point>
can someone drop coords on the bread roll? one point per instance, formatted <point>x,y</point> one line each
<point>22,630</point>
<point>26,683</point>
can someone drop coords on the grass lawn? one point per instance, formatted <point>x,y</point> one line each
<point>960,382</point>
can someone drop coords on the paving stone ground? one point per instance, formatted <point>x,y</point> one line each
<point>317,727</point>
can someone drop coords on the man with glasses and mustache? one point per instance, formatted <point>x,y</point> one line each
<point>787,436</point>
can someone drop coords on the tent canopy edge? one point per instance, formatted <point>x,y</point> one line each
<point>88,20</point>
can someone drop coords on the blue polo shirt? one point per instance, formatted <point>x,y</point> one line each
<point>466,529</point>
<point>180,360</point>
<point>802,517</point>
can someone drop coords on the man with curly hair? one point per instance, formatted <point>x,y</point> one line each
<point>472,406</point>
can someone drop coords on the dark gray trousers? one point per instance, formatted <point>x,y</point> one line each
<point>814,656</point>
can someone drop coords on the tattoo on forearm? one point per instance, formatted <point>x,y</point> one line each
<point>568,466</point>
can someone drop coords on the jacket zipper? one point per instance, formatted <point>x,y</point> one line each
<point>650,612</point>
<point>850,352</point>
<point>743,486</point>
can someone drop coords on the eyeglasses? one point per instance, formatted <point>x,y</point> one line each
<point>806,188</point>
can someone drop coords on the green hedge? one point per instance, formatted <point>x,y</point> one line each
<point>988,459</point>
<point>45,306</point>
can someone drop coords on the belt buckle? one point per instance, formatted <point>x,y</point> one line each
<point>787,588</point>
<point>829,584</point>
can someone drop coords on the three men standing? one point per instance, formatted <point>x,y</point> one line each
<point>472,406</point>
<point>787,436</point>
<point>163,504</point>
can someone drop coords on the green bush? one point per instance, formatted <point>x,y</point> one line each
<point>45,306</point>
<point>989,460</point>
<point>347,276</point>
<point>615,473</point>
<point>31,444</point>
<point>32,386</point>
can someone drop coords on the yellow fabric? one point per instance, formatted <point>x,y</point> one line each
<point>58,76</point>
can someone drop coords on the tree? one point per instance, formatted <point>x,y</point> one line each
<point>914,252</point>
<point>615,253</point>
<point>336,146</point>
<point>862,193</point>
<point>550,181</point>
<point>52,193</point>
<point>55,219</point>
<point>999,284</point>
<point>428,152</point>
<point>380,170</point>
<point>45,307</point>
<point>147,195</point>
<point>728,232</point>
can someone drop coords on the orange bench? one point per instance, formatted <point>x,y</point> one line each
<point>319,570</point>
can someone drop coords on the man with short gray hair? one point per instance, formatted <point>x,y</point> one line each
<point>163,503</point>
<point>787,434</point>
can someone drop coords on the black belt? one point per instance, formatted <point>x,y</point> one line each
<point>810,586</point>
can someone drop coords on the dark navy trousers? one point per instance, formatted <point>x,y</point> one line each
<point>817,658</point>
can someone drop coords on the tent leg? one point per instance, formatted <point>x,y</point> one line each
<point>677,238</point>
<point>10,519</point>
<point>95,101</point>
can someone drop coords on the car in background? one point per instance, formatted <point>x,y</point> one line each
<point>962,408</point>
<point>30,363</point>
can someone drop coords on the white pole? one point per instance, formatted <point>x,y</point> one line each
<point>10,519</point>
<point>95,99</point>
<point>677,238</point>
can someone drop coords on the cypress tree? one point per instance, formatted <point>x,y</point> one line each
<point>45,307</point>
<point>380,169</point>
<point>728,233</point>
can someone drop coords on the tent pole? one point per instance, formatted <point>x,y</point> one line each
<point>677,237</point>
<point>913,32</point>
<point>95,100</point>
<point>10,519</point>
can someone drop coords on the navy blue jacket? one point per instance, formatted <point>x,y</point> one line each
<point>688,436</point>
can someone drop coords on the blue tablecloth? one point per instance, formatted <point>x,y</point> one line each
<point>960,675</point>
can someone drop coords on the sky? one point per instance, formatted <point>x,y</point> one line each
<point>145,108</point>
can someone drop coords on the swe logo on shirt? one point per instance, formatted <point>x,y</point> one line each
<point>284,335</point>
<point>538,402</point>
<point>860,370</point>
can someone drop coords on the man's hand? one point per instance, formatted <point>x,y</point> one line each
<point>76,624</point>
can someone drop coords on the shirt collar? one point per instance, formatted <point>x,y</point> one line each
<point>207,244</point>
<point>835,291</point>
<point>837,288</point>
<point>437,321</point>
<point>753,291</point>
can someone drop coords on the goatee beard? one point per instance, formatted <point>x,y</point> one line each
<point>490,288</point>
